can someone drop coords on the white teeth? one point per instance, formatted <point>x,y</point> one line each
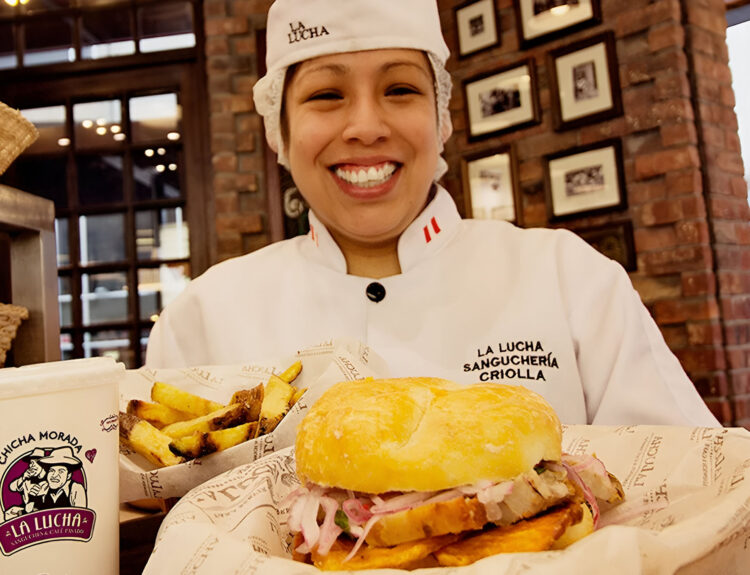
<point>367,177</point>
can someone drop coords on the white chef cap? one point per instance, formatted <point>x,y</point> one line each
<point>299,30</point>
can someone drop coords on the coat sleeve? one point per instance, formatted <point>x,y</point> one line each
<point>629,374</point>
<point>178,336</point>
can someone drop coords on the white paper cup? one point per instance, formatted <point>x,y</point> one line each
<point>59,504</point>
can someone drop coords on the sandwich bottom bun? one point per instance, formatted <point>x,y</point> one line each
<point>423,434</point>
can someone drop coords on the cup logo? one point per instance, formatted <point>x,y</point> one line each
<point>43,498</point>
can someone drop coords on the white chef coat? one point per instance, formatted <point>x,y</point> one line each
<point>476,301</point>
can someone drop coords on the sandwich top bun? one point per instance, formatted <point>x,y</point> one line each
<point>423,434</point>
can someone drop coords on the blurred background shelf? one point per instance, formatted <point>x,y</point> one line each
<point>28,274</point>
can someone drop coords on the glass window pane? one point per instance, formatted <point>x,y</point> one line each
<point>50,122</point>
<point>165,26</point>
<point>145,333</point>
<point>161,234</point>
<point>49,42</point>
<point>157,287</point>
<point>32,6</point>
<point>64,300</point>
<point>114,343</point>
<point>107,34</point>
<point>99,179</point>
<point>104,297</point>
<point>66,346</point>
<point>98,124</point>
<point>42,176</point>
<point>8,58</point>
<point>102,238</point>
<point>156,174</point>
<point>61,240</point>
<point>155,118</point>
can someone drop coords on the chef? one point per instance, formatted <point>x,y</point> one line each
<point>355,103</point>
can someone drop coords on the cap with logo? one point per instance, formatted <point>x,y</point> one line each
<point>300,30</point>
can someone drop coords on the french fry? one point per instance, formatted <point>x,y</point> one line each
<point>275,404</point>
<point>145,439</point>
<point>291,372</point>
<point>180,400</point>
<point>156,414</point>
<point>299,392</point>
<point>200,444</point>
<point>253,398</point>
<point>227,416</point>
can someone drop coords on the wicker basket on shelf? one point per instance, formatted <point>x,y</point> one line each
<point>11,317</point>
<point>16,134</point>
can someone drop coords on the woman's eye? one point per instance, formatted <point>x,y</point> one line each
<point>324,96</point>
<point>402,90</point>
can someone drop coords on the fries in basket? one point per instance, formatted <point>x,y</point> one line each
<point>177,426</point>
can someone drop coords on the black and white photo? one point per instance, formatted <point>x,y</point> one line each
<point>539,21</point>
<point>584,82</point>
<point>490,189</point>
<point>501,100</point>
<point>585,180</point>
<point>476,26</point>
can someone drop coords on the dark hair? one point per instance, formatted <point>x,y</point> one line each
<point>284,120</point>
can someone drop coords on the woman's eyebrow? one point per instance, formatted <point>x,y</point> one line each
<point>337,69</point>
<point>390,65</point>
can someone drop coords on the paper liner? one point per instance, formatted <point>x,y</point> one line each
<point>322,366</point>
<point>687,511</point>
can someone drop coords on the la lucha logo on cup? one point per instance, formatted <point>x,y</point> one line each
<point>43,491</point>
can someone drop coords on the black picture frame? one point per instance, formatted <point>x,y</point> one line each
<point>477,27</point>
<point>584,181</point>
<point>501,100</point>
<point>490,181</point>
<point>584,82</point>
<point>539,21</point>
<point>614,240</point>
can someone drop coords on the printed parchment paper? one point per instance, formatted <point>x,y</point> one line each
<point>687,511</point>
<point>322,366</point>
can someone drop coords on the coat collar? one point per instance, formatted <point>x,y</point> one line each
<point>426,235</point>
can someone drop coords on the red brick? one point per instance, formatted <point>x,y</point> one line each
<point>712,384</point>
<point>736,307</point>
<point>224,162</point>
<point>613,129</point>
<point>654,238</point>
<point>670,85</point>
<point>646,191</point>
<point>241,223</point>
<point>675,260</point>
<point>738,357</point>
<point>223,143</point>
<point>666,35</point>
<point>674,159</point>
<point>739,187</point>
<point>678,311</point>
<point>742,410</point>
<point>740,380</point>
<point>692,232</point>
<point>684,182</point>
<point>531,170</point>
<point>675,336</point>
<point>704,333</point>
<point>641,18</point>
<point>226,203</point>
<point>226,26</point>
<point>707,18</point>
<point>678,134</point>
<point>246,142</point>
<point>734,282</point>
<point>709,69</point>
<point>701,359</point>
<point>729,207</point>
<point>698,283</point>
<point>737,332</point>
<point>217,46</point>
<point>214,8</point>
<point>250,7</point>
<point>661,212</point>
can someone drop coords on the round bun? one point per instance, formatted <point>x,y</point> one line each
<point>423,434</point>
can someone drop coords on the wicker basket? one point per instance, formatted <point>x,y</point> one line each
<point>11,317</point>
<point>16,134</point>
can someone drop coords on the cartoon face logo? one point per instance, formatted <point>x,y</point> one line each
<point>43,479</point>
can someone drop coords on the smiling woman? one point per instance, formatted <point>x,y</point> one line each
<point>358,111</point>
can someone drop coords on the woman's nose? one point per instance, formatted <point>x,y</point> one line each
<point>366,122</point>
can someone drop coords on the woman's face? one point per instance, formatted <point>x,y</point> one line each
<point>363,140</point>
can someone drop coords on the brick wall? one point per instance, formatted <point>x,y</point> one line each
<point>686,194</point>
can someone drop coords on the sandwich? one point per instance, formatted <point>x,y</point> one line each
<point>421,472</point>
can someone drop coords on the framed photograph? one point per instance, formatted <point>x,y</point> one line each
<point>490,185</point>
<point>501,100</point>
<point>477,29</point>
<point>585,181</point>
<point>615,241</point>
<point>538,21</point>
<point>584,82</point>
